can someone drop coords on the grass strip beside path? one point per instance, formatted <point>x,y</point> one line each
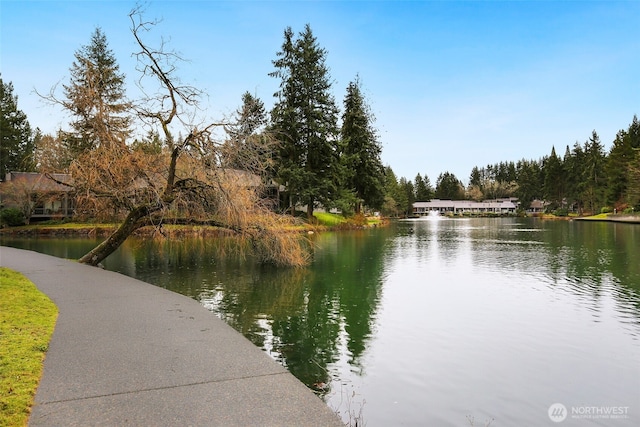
<point>27,319</point>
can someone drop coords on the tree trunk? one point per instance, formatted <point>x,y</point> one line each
<point>113,242</point>
<point>310,208</point>
<point>133,221</point>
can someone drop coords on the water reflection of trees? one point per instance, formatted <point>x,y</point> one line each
<point>186,265</point>
<point>604,258</point>
<point>71,249</point>
<point>359,265</point>
<point>341,298</point>
<point>306,318</point>
<point>589,259</point>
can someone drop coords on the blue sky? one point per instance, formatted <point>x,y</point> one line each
<point>452,84</point>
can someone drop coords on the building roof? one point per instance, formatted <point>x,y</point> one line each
<point>54,182</point>
<point>465,204</point>
<point>538,204</point>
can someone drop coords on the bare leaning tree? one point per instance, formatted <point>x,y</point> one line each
<point>183,182</point>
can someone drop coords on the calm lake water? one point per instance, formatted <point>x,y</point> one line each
<point>501,322</point>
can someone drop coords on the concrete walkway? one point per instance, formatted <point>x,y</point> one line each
<point>629,219</point>
<point>125,352</point>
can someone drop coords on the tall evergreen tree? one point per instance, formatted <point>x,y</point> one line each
<point>246,147</point>
<point>633,195</point>
<point>634,133</point>
<point>570,179</point>
<point>529,182</point>
<point>553,179</point>
<point>395,198</point>
<point>619,163</point>
<point>633,190</point>
<point>617,168</point>
<point>595,178</point>
<point>361,156</point>
<point>427,184</point>
<point>475,178</point>
<point>511,172</point>
<point>304,119</point>
<point>449,187</point>
<point>251,117</point>
<point>501,172</point>
<point>408,196</point>
<point>16,139</point>
<point>95,95</point>
<point>424,192</point>
<point>575,169</point>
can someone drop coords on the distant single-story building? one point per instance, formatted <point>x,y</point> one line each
<point>537,206</point>
<point>505,206</point>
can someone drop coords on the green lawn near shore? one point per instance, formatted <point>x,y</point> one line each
<point>27,319</point>
<point>329,219</point>
<point>332,220</point>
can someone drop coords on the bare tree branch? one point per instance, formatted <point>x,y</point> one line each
<point>183,181</point>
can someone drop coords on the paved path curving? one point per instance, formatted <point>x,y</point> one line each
<point>125,352</point>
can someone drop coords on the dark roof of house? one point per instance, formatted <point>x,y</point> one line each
<point>537,204</point>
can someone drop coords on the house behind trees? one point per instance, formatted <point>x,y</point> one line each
<point>39,196</point>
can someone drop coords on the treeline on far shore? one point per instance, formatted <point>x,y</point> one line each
<point>584,179</point>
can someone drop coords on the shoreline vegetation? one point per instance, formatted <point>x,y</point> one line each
<point>323,222</point>
<point>27,320</point>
